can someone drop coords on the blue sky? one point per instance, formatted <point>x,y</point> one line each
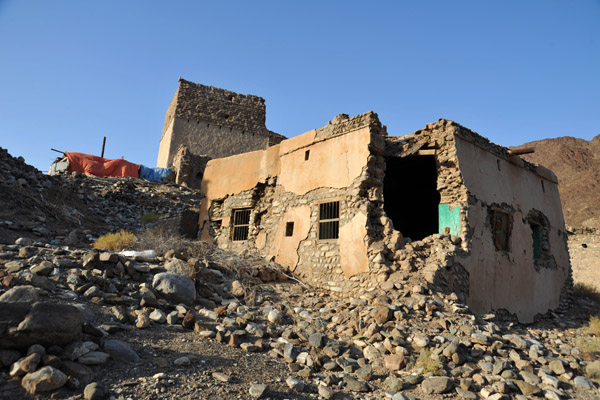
<point>74,71</point>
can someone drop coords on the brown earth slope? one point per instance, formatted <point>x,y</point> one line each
<point>576,162</point>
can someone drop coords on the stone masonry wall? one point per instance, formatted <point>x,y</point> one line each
<point>213,122</point>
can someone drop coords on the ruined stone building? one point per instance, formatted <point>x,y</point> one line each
<point>204,122</point>
<point>347,207</point>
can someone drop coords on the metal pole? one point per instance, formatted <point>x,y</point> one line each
<point>103,144</point>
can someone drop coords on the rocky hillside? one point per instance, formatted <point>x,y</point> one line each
<point>75,208</point>
<point>576,162</point>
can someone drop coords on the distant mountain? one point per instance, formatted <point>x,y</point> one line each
<point>576,162</point>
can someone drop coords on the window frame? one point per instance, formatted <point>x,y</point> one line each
<point>495,211</point>
<point>235,225</point>
<point>332,222</point>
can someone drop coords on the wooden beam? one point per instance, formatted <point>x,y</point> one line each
<point>524,150</point>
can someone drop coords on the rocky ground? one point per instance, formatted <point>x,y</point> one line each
<point>191,321</point>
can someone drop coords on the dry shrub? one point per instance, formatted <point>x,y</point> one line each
<point>161,240</point>
<point>588,344</point>
<point>116,241</point>
<point>585,290</point>
<point>594,326</point>
<point>430,363</point>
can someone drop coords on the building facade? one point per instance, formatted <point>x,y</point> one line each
<point>348,208</point>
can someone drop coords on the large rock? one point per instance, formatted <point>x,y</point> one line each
<point>120,351</point>
<point>177,266</point>
<point>23,324</point>
<point>44,380</point>
<point>174,287</point>
<point>436,384</point>
<point>26,294</point>
<point>83,373</point>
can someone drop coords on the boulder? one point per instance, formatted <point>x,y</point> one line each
<point>26,294</point>
<point>174,287</point>
<point>120,351</point>
<point>177,266</point>
<point>44,380</point>
<point>95,391</point>
<point>23,324</point>
<point>436,384</point>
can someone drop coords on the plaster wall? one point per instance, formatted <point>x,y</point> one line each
<point>285,248</point>
<point>334,163</point>
<point>509,280</point>
<point>235,174</point>
<point>353,251</point>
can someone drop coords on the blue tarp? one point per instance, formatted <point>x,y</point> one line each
<point>154,174</point>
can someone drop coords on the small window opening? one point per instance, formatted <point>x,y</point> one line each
<point>540,235</point>
<point>543,188</point>
<point>501,228</point>
<point>306,155</point>
<point>536,234</point>
<point>241,224</point>
<point>329,220</point>
<point>498,164</point>
<point>289,229</point>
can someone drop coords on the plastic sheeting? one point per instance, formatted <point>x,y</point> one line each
<point>155,174</point>
<point>98,166</point>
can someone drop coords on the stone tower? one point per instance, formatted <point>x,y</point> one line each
<point>213,122</point>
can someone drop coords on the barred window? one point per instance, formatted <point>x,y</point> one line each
<point>241,224</point>
<point>329,220</point>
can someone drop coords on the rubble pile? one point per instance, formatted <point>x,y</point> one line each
<point>80,206</point>
<point>69,317</point>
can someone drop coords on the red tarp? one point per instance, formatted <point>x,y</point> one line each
<point>98,166</point>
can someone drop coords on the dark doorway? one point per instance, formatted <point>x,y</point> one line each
<point>410,195</point>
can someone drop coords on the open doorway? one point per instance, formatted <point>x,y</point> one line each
<point>410,195</point>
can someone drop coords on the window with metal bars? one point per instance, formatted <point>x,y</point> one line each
<point>329,220</point>
<point>241,224</point>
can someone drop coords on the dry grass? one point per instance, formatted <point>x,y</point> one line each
<point>161,240</point>
<point>428,362</point>
<point>116,241</point>
<point>588,344</point>
<point>591,343</point>
<point>586,290</point>
<point>150,218</point>
<point>594,326</point>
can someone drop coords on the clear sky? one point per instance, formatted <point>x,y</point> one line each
<point>74,71</point>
